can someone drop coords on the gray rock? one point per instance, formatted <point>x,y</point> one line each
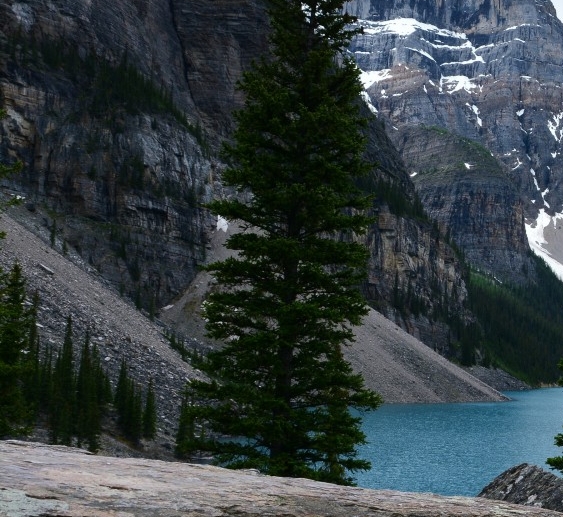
<point>56,481</point>
<point>527,485</point>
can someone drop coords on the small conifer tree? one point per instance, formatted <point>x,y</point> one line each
<point>556,462</point>
<point>88,406</point>
<point>186,442</point>
<point>149,413</point>
<point>64,392</point>
<point>129,405</point>
<point>15,327</point>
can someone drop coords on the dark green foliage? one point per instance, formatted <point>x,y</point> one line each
<point>64,392</point>
<point>129,405</point>
<point>280,386</point>
<point>32,370</point>
<point>88,425</point>
<point>53,234</point>
<point>74,398</point>
<point>33,386</point>
<point>187,443</point>
<point>523,326</point>
<point>178,343</point>
<point>394,196</point>
<point>149,413</point>
<point>16,358</point>
<point>556,462</point>
<point>103,387</point>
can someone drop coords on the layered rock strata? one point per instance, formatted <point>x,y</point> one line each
<point>122,181</point>
<point>472,69</point>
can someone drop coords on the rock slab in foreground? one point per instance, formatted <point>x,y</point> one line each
<point>527,485</point>
<point>49,481</point>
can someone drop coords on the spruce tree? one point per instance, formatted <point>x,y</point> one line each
<point>103,385</point>
<point>62,423</point>
<point>149,413</point>
<point>129,405</point>
<point>556,462</point>
<point>88,407</point>
<point>288,298</point>
<point>186,442</point>
<point>15,327</point>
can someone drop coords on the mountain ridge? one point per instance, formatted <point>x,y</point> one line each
<point>470,68</point>
<point>119,124</point>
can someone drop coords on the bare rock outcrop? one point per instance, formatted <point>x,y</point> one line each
<point>527,485</point>
<point>51,481</point>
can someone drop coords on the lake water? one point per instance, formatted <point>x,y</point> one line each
<point>457,449</point>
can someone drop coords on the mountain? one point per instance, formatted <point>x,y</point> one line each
<point>118,112</point>
<point>393,363</point>
<point>471,92</point>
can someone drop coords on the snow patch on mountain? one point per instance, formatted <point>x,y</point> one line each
<point>222,224</point>
<point>453,64</point>
<point>555,126</point>
<point>541,233</point>
<point>405,27</point>
<point>558,4</point>
<point>374,76</point>
<point>455,83</point>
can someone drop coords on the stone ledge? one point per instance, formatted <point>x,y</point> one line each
<point>64,482</point>
<point>527,485</point>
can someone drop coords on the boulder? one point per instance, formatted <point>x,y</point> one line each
<point>528,485</point>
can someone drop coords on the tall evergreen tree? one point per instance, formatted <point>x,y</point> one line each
<point>103,386</point>
<point>64,392</point>
<point>88,424</point>
<point>186,442</point>
<point>15,324</point>
<point>280,387</point>
<point>32,365</point>
<point>149,413</point>
<point>129,405</point>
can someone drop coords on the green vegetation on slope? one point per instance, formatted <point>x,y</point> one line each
<point>522,326</point>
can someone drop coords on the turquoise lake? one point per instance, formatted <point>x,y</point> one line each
<point>457,449</point>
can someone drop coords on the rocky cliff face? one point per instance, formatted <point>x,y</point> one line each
<point>114,157</point>
<point>117,111</point>
<point>456,80</point>
<point>413,273</point>
<point>464,188</point>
